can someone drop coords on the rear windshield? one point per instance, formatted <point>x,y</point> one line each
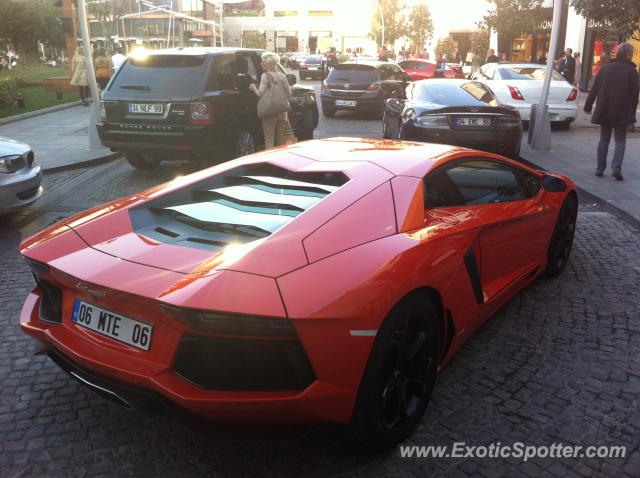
<point>353,73</point>
<point>162,74</point>
<point>454,94</point>
<point>526,73</point>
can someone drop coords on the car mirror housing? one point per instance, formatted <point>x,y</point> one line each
<point>553,184</point>
<point>291,79</point>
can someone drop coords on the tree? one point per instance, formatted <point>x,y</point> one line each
<point>622,15</point>
<point>480,41</point>
<point>394,21</point>
<point>420,26</point>
<point>511,18</point>
<point>23,23</point>
<point>447,46</point>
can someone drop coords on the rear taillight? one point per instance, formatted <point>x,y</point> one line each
<point>325,85</point>
<point>373,88</point>
<point>574,94</point>
<point>201,114</point>
<point>103,113</point>
<point>515,93</point>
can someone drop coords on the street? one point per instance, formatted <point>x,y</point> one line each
<point>558,364</point>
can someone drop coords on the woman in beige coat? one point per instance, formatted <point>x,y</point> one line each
<point>273,126</point>
<point>79,78</point>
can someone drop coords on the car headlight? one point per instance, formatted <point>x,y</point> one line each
<point>432,121</point>
<point>11,164</point>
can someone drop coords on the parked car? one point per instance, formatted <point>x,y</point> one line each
<point>457,112</point>
<point>311,67</point>
<point>520,85</point>
<point>242,294</point>
<point>192,103</point>
<point>361,86</point>
<point>419,69</point>
<point>20,176</point>
<point>296,59</point>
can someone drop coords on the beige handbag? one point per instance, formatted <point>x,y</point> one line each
<point>275,99</point>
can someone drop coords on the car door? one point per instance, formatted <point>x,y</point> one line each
<point>247,72</point>
<point>515,221</point>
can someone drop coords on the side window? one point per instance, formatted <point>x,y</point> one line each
<point>396,73</point>
<point>221,74</point>
<point>441,191</point>
<point>247,67</point>
<point>426,66</point>
<point>385,73</point>
<point>531,181</point>
<point>487,182</point>
<point>409,65</point>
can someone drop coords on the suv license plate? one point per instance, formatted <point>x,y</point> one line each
<point>145,108</point>
<point>353,104</point>
<point>116,326</point>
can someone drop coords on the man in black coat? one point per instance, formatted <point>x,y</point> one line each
<point>491,57</point>
<point>616,89</point>
<point>568,66</point>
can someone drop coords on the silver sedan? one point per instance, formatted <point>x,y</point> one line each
<point>20,175</point>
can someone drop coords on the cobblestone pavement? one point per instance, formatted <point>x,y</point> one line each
<point>559,363</point>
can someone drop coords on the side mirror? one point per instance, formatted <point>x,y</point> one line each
<point>291,79</point>
<point>553,184</point>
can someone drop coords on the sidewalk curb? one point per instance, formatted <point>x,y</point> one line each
<point>591,197</point>
<point>43,111</point>
<point>83,164</point>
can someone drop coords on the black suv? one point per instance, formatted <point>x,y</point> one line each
<point>192,103</point>
<point>362,85</point>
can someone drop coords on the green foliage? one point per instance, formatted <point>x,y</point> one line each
<point>8,92</point>
<point>395,25</point>
<point>447,46</point>
<point>23,23</point>
<point>342,57</point>
<point>33,75</point>
<point>480,40</point>
<point>420,26</point>
<point>513,17</point>
<point>36,98</point>
<point>622,15</point>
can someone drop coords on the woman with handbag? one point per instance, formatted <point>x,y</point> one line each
<point>102,65</point>
<point>273,101</point>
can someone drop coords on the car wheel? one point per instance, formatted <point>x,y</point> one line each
<point>400,374</point>
<point>141,161</point>
<point>243,143</point>
<point>562,238</point>
<point>306,128</point>
<point>564,125</point>
<point>328,111</point>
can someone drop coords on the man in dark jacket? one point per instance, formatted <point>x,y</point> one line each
<point>616,89</point>
<point>491,57</point>
<point>568,66</point>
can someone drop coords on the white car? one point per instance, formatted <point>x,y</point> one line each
<point>520,85</point>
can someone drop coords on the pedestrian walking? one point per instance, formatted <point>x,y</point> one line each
<point>577,80</point>
<point>102,65</point>
<point>567,66</point>
<point>117,59</point>
<point>79,77</point>
<point>273,100</point>
<point>615,91</point>
<point>441,65</point>
<point>491,56</point>
<point>382,54</point>
<point>331,60</point>
<point>476,61</point>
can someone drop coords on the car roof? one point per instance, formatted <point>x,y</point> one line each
<point>520,65</point>
<point>200,51</point>
<point>401,158</point>
<point>374,63</point>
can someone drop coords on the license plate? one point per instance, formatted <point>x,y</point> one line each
<point>481,122</point>
<point>346,103</point>
<point>116,326</point>
<point>313,68</point>
<point>145,108</point>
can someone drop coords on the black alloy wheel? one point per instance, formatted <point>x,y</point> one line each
<point>562,239</point>
<point>243,143</point>
<point>400,374</point>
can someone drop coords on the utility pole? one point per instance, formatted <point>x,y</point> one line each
<point>541,138</point>
<point>94,140</point>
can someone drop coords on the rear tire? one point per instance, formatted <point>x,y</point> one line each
<point>243,143</point>
<point>141,161</point>
<point>328,111</point>
<point>562,238</point>
<point>400,374</point>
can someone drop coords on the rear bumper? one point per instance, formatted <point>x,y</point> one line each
<point>504,142</point>
<point>129,377</point>
<point>363,103</point>
<point>559,113</point>
<point>188,143</point>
